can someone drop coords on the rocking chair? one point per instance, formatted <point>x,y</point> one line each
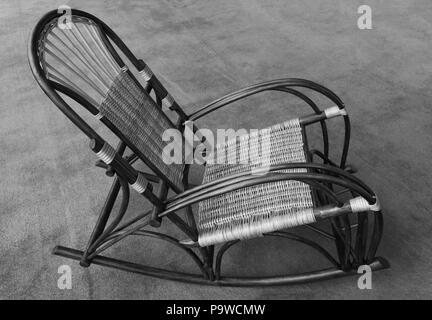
<point>82,61</point>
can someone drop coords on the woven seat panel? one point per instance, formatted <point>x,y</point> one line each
<point>137,116</point>
<point>250,211</point>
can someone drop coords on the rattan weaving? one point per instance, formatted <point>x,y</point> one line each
<point>141,121</point>
<point>249,212</point>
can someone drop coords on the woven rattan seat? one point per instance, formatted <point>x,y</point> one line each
<point>249,212</point>
<point>270,179</point>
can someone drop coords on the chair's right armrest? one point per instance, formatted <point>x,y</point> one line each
<point>230,183</point>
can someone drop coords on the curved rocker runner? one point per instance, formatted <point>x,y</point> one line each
<point>83,62</point>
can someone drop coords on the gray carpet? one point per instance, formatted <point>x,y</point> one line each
<point>50,191</point>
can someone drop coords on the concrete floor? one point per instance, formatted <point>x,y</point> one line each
<point>50,192</point>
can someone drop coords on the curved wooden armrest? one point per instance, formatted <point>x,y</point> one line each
<point>240,181</point>
<point>286,85</point>
<point>265,86</point>
<point>232,179</point>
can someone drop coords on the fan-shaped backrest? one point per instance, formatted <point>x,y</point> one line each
<point>80,57</point>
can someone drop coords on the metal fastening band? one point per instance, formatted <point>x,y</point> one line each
<point>98,116</point>
<point>140,184</point>
<point>106,154</point>
<point>168,100</point>
<point>359,204</point>
<point>146,73</point>
<point>334,112</point>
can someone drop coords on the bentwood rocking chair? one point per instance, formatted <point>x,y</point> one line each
<point>81,61</point>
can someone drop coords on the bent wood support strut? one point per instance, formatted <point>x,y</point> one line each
<point>324,274</point>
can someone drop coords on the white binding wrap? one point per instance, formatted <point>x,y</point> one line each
<point>140,184</point>
<point>98,116</point>
<point>334,112</point>
<point>168,101</point>
<point>106,154</point>
<point>146,73</point>
<point>359,204</point>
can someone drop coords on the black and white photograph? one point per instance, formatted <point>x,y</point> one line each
<point>233,152</point>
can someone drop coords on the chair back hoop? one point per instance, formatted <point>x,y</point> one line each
<point>78,59</point>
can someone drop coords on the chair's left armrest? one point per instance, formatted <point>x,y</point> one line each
<point>273,85</point>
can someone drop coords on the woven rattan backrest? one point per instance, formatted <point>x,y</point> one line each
<point>80,57</point>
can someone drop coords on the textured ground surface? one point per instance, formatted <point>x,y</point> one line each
<point>50,192</point>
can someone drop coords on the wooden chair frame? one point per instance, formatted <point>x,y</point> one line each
<point>323,178</point>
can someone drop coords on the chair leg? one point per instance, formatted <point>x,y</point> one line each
<point>361,237</point>
<point>102,220</point>
<point>342,245</point>
<point>192,233</point>
<point>207,252</point>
